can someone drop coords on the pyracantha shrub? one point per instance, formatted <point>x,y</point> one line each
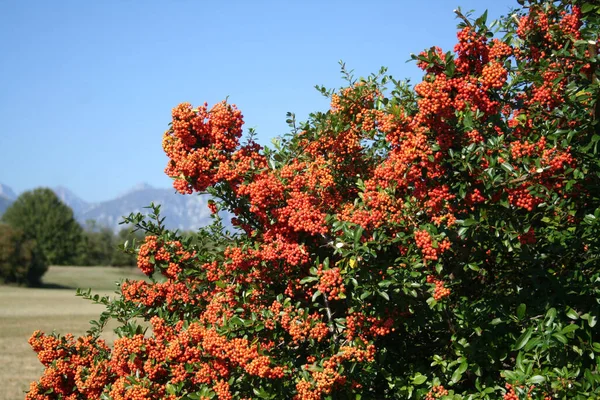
<point>428,242</point>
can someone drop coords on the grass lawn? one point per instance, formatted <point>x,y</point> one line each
<point>55,307</point>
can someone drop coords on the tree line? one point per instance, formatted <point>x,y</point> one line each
<point>39,230</point>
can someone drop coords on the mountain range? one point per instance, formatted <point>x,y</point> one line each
<point>185,213</point>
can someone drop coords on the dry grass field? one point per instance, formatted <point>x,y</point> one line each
<point>23,310</point>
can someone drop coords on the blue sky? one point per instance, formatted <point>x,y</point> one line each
<point>87,87</point>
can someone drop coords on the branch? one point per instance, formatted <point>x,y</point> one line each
<point>460,15</point>
<point>596,111</point>
<point>333,326</point>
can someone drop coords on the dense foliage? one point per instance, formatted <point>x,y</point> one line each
<point>100,246</point>
<point>440,241</point>
<point>20,262</point>
<point>42,217</point>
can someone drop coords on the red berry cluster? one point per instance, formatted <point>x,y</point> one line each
<point>436,392</point>
<point>439,290</point>
<point>331,283</point>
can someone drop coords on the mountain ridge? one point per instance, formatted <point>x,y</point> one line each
<point>182,212</point>
<point>7,192</point>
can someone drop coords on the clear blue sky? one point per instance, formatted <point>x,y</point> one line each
<point>87,87</point>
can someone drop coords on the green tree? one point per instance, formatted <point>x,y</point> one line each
<point>42,217</point>
<point>97,245</point>
<point>20,261</point>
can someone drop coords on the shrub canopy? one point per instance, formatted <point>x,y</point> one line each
<point>435,241</point>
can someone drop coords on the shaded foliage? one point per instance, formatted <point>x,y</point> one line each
<point>20,262</point>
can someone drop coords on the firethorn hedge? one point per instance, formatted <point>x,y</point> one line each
<point>440,241</point>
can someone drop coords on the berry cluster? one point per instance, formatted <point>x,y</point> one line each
<point>439,291</point>
<point>436,392</point>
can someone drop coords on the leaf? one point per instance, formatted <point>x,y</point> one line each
<point>365,295</point>
<point>523,339</point>
<point>358,235</point>
<point>510,375</point>
<point>235,320</point>
<point>572,314</point>
<point>352,263</point>
<point>569,328</point>
<point>473,267</point>
<point>419,379</point>
<point>536,379</point>
<point>507,167</point>
<point>521,310</point>
<point>309,279</point>
<point>384,295</point>
<point>221,284</point>
<point>533,343</point>
<point>459,371</point>
<point>587,7</point>
<point>550,316</point>
<point>560,337</point>
<point>469,222</point>
<point>315,295</point>
<point>519,362</point>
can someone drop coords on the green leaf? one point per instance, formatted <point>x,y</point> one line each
<point>221,284</point>
<point>384,295</point>
<point>536,379</point>
<point>523,339</point>
<point>419,379</point>
<point>550,316</point>
<point>315,295</point>
<point>459,371</point>
<point>572,314</point>
<point>533,343</point>
<point>560,337</point>
<point>587,7</point>
<point>473,267</point>
<point>519,361</point>
<point>469,222</point>
<point>569,328</point>
<point>507,167</point>
<point>521,310</point>
<point>309,279</point>
<point>511,375</point>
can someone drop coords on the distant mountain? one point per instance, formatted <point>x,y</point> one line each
<point>7,196</point>
<point>188,212</point>
<point>7,192</point>
<point>77,204</point>
<point>181,212</point>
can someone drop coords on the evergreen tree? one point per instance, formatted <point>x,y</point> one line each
<point>42,217</point>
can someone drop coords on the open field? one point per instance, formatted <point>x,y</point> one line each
<point>24,310</point>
